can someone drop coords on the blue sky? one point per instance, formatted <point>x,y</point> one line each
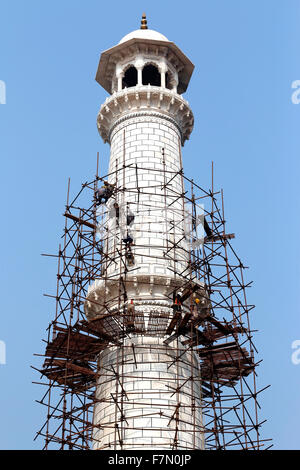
<point>246,56</point>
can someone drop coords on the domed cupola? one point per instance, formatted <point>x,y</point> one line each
<point>144,72</point>
<point>144,57</point>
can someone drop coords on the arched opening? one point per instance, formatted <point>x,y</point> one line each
<point>151,75</point>
<point>130,78</point>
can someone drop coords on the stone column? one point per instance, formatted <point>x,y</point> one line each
<point>154,415</point>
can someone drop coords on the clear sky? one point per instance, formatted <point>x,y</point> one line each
<point>246,56</point>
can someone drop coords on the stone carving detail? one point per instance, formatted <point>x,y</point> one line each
<point>142,101</point>
<point>99,291</point>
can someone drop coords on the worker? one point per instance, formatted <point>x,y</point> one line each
<point>117,212</point>
<point>129,319</point>
<point>129,258</point>
<point>194,308</point>
<point>200,309</point>
<point>104,192</point>
<point>128,240</point>
<point>130,217</point>
<point>128,252</point>
<point>177,302</point>
<point>177,308</point>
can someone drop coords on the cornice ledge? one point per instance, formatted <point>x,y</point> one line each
<point>145,101</point>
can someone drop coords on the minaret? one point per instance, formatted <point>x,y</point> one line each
<point>145,398</point>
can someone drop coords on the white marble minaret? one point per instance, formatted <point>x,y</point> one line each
<point>146,121</point>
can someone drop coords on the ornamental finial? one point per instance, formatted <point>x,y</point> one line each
<point>144,22</point>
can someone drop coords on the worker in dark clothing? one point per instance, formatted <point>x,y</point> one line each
<point>128,240</point>
<point>104,193</point>
<point>177,302</point>
<point>117,212</point>
<point>128,253</point>
<point>130,217</point>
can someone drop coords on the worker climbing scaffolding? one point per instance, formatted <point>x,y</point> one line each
<point>116,210</point>
<point>195,307</point>
<point>128,241</point>
<point>177,307</point>
<point>104,193</point>
<point>129,216</point>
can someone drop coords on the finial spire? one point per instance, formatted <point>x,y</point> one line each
<point>144,22</point>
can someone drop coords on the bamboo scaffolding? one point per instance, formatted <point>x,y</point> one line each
<point>218,336</point>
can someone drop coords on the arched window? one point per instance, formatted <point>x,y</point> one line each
<point>130,77</point>
<point>151,75</point>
